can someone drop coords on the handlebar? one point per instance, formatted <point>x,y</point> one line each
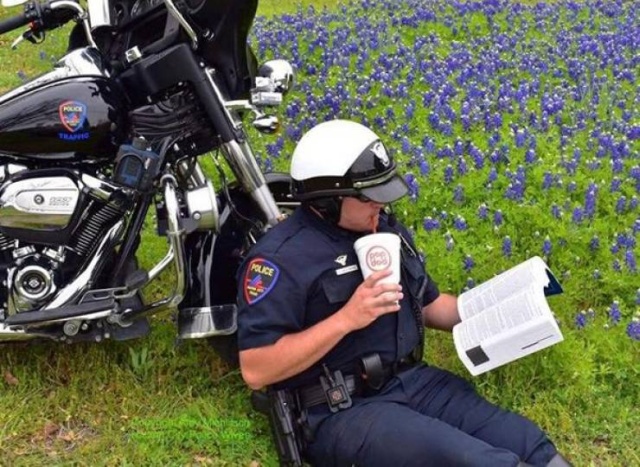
<point>43,16</point>
<point>14,22</point>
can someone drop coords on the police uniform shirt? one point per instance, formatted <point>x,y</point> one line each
<point>304,270</point>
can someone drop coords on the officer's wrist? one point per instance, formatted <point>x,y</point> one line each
<point>341,323</point>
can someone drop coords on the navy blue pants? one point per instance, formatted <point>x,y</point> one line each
<point>425,416</point>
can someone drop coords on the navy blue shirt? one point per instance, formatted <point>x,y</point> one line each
<point>304,270</point>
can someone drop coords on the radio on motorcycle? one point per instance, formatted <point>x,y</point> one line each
<point>136,166</point>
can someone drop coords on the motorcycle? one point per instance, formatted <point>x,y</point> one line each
<point>119,125</point>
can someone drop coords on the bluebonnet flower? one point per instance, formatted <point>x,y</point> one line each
<point>429,224</point>
<point>614,312</point>
<point>462,166</point>
<point>580,319</point>
<point>633,329</point>
<point>460,223</point>
<point>530,156</point>
<point>423,165</point>
<point>471,283</point>
<point>590,200</point>
<point>615,184</point>
<point>482,211</point>
<point>506,246</point>
<point>458,194</point>
<point>630,260</point>
<point>621,204</point>
<point>414,188</point>
<point>594,243</point>
<point>448,174</point>
<point>616,265</point>
<point>638,297</point>
<point>597,275</point>
<point>468,263</point>
<point>546,246</point>
<point>578,215</point>
<point>498,218</point>
<point>493,175</point>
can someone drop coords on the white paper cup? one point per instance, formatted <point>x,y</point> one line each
<point>379,251</point>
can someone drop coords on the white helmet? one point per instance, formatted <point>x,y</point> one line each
<point>344,158</point>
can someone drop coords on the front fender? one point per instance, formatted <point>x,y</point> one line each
<point>212,262</point>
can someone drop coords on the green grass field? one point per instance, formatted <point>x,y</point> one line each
<point>156,401</point>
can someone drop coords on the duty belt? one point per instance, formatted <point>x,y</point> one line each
<point>335,389</point>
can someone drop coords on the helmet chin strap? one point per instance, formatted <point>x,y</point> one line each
<point>327,208</point>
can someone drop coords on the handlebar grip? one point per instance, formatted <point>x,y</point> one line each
<point>12,23</point>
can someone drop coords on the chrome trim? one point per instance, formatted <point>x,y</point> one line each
<point>161,266</point>
<point>41,203</point>
<point>99,13</point>
<point>173,11</point>
<point>244,165</point>
<point>280,73</point>
<point>196,323</point>
<point>8,170</point>
<point>83,62</point>
<point>101,189</point>
<point>237,124</point>
<point>87,276</point>
<point>203,207</point>
<point>175,235</point>
<point>81,16</point>
<point>49,285</point>
<point>375,181</point>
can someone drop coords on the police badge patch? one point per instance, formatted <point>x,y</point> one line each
<point>259,280</point>
<point>72,115</point>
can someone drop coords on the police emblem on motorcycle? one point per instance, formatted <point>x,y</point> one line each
<point>259,280</point>
<point>72,115</point>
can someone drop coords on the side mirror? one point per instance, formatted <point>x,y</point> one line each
<point>10,3</point>
<point>280,73</point>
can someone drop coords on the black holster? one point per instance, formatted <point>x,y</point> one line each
<point>286,421</point>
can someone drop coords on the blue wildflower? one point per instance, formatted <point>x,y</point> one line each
<point>630,260</point>
<point>633,329</point>
<point>482,211</point>
<point>614,312</point>
<point>506,246</point>
<point>580,320</point>
<point>429,224</point>
<point>460,223</point>
<point>498,218</point>
<point>546,246</point>
<point>468,263</point>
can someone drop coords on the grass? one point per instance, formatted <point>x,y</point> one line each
<point>156,402</point>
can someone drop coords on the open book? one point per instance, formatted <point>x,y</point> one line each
<point>507,317</point>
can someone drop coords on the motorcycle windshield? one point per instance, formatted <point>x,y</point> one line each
<point>227,49</point>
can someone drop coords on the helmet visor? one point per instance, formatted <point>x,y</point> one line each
<point>387,192</point>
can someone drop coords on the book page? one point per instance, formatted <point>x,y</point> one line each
<point>502,286</point>
<point>520,325</point>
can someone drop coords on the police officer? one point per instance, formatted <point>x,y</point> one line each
<point>350,349</point>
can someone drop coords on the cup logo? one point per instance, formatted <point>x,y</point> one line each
<point>378,258</point>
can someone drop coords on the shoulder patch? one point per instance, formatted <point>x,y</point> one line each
<point>259,279</point>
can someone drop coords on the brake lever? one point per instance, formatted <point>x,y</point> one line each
<point>35,37</point>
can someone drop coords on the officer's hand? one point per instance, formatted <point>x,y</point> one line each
<point>371,300</point>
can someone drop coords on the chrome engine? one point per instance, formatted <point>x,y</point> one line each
<point>52,221</point>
